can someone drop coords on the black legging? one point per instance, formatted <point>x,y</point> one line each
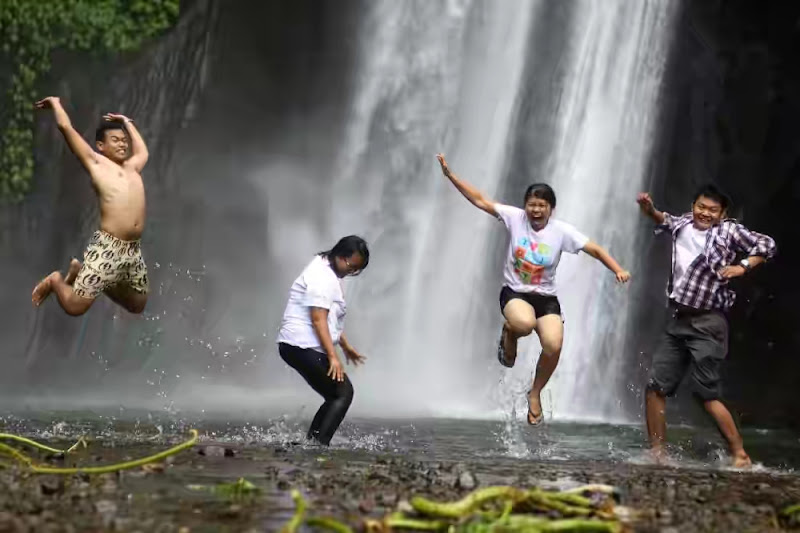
<point>313,366</point>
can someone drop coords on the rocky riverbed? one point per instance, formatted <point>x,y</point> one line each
<point>183,493</point>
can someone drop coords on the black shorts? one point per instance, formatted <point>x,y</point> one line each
<point>695,342</point>
<point>541,303</point>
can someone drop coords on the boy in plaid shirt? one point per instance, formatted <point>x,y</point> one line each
<point>705,247</point>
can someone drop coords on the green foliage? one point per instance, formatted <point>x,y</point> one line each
<point>29,31</point>
<point>240,489</point>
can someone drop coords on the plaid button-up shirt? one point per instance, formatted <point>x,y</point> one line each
<point>702,286</point>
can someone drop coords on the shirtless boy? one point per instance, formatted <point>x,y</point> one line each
<point>112,262</point>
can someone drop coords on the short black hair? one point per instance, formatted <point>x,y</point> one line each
<point>346,247</point>
<point>108,125</point>
<point>709,190</point>
<point>542,191</point>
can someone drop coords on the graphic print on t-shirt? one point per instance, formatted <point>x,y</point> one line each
<point>530,260</point>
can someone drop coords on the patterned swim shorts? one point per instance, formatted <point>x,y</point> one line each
<point>109,261</point>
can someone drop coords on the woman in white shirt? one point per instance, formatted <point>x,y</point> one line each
<point>528,298</point>
<point>313,325</point>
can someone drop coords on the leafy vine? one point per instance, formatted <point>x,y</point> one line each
<point>29,31</point>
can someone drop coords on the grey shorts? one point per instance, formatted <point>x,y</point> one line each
<point>696,342</point>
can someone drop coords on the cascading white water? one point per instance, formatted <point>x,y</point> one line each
<point>606,124</point>
<point>433,78</point>
<point>448,76</point>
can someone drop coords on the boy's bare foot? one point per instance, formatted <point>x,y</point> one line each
<point>741,460</point>
<point>72,273</point>
<point>658,455</point>
<point>43,289</point>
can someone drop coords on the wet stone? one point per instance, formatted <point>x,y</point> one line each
<point>378,476</point>
<point>448,479</point>
<point>52,485</point>
<point>739,508</point>
<point>466,480</point>
<point>388,499</point>
<point>122,524</point>
<point>764,509</point>
<point>212,451</point>
<point>11,523</point>
<point>107,510</point>
<point>366,506</point>
<point>664,516</point>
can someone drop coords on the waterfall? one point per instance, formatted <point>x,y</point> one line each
<point>451,77</point>
<point>342,139</point>
<point>434,77</point>
<point>607,120</point>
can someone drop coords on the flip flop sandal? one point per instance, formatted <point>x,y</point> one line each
<point>501,352</point>
<point>537,419</point>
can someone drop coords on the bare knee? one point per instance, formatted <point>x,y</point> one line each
<point>521,327</point>
<point>520,317</point>
<point>137,306</point>
<point>551,335</point>
<point>132,301</point>
<point>77,307</point>
<point>654,393</point>
<point>551,349</point>
<point>710,405</point>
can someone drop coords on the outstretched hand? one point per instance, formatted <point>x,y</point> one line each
<point>47,103</point>
<point>353,356</point>
<point>645,202</point>
<point>116,117</point>
<point>623,276</point>
<point>443,163</point>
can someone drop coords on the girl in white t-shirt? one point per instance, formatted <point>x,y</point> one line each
<point>313,324</point>
<point>528,298</point>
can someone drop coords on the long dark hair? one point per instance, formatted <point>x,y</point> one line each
<point>346,247</point>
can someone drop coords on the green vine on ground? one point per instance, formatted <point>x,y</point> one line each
<point>29,31</point>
